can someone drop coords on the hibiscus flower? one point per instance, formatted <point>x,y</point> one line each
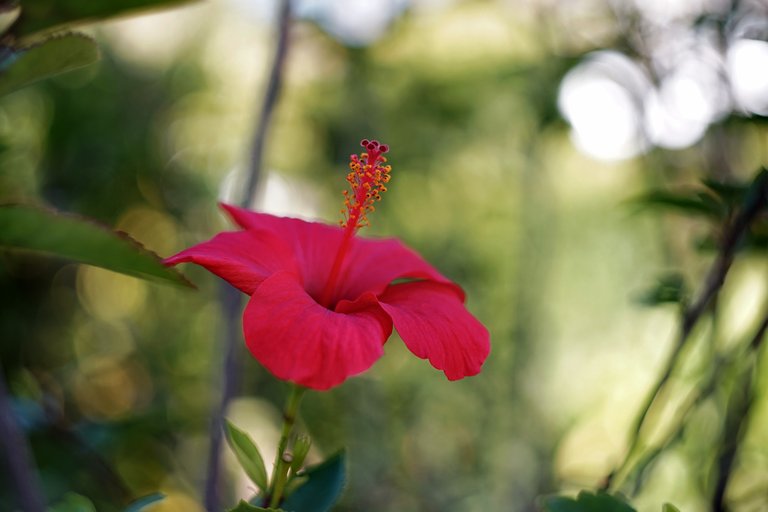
<point>323,301</point>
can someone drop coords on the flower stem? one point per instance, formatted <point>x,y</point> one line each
<point>282,463</point>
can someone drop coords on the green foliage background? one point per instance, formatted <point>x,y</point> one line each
<point>113,372</point>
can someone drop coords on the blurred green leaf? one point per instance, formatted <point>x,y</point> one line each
<point>43,15</point>
<point>73,503</point>
<point>668,507</point>
<point>142,503</point>
<point>751,196</point>
<point>247,507</point>
<point>730,193</point>
<point>8,14</point>
<point>59,54</point>
<point>247,454</point>
<point>586,502</point>
<point>325,483</point>
<point>300,450</point>
<point>757,187</point>
<point>757,241</point>
<point>668,288</point>
<point>693,203</point>
<point>80,239</point>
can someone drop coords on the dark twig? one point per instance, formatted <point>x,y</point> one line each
<point>230,297</point>
<point>715,278</point>
<point>18,460</point>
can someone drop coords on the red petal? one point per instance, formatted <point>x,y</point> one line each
<point>370,266</point>
<point>435,325</point>
<point>313,245</point>
<point>300,341</point>
<point>242,258</point>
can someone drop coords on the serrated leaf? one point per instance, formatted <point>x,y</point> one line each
<point>325,483</point>
<point>80,239</point>
<point>24,66</point>
<point>248,455</point>
<point>8,14</point>
<point>73,502</point>
<point>44,15</point>
<point>142,503</point>
<point>244,506</point>
<point>586,502</point>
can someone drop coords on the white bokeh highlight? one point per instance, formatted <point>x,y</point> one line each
<point>747,62</point>
<point>600,99</point>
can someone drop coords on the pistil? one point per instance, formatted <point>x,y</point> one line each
<point>367,177</point>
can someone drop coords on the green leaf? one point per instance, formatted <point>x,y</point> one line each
<point>142,503</point>
<point>73,503</point>
<point>691,203</point>
<point>668,507</point>
<point>325,483</point>
<point>44,15</point>
<point>300,450</point>
<point>586,502</point>
<point>729,193</point>
<point>8,14</point>
<point>247,507</point>
<point>24,66</point>
<point>756,190</point>
<point>668,288</point>
<point>248,455</point>
<point>80,239</point>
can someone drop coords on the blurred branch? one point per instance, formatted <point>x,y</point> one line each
<point>268,105</point>
<point>697,396</point>
<point>735,422</point>
<point>230,297</point>
<point>230,304</point>
<point>18,460</point>
<point>715,278</point>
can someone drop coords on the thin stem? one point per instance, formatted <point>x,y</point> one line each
<point>282,462</point>
<point>18,460</point>
<point>732,235</point>
<point>268,104</point>
<point>230,298</point>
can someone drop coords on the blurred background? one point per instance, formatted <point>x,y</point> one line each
<point>520,131</point>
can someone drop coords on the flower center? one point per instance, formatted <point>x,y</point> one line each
<point>368,176</point>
